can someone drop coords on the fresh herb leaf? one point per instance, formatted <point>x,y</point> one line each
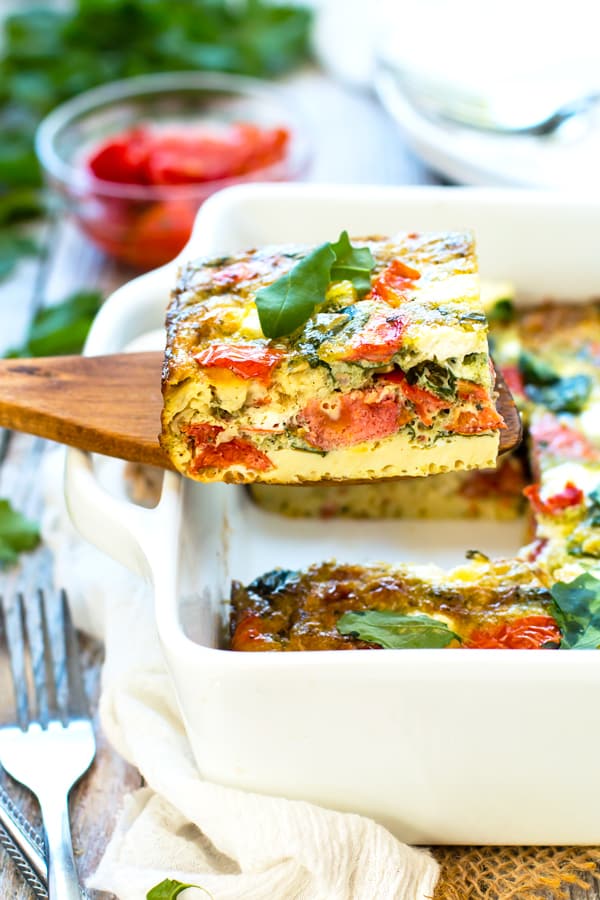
<point>62,329</point>
<point>290,301</point>
<point>169,889</point>
<point>432,377</point>
<point>502,312</point>
<point>353,264</point>
<point>396,631</point>
<point>17,533</point>
<point>576,608</point>
<point>535,371</point>
<point>568,394</point>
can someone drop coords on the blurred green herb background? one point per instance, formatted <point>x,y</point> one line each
<point>49,56</point>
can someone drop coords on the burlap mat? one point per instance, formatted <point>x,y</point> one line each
<point>517,873</point>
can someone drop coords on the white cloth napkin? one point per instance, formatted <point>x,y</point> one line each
<point>233,844</point>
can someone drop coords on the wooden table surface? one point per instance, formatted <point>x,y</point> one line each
<point>355,142</point>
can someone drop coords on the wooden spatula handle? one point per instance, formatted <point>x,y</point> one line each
<point>104,404</point>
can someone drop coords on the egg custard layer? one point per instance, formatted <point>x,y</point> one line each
<point>394,381</point>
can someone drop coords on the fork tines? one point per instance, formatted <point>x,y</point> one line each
<point>44,657</point>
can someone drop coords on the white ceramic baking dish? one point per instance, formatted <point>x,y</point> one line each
<point>441,746</point>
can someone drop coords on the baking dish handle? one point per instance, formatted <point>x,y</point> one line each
<point>128,533</point>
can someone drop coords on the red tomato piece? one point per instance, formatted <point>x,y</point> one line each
<point>187,154</point>
<point>209,454</point>
<point>244,360</point>
<point>248,634</point>
<point>203,433</point>
<point>378,341</point>
<point>472,392</point>
<point>426,404</point>
<point>236,452</point>
<point>180,157</point>
<point>525,633</point>
<point>201,154</point>
<point>121,159</point>
<point>356,417</point>
<point>476,421</point>
<point>391,285</point>
<point>571,495</point>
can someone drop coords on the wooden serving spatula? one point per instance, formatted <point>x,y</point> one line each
<point>112,404</point>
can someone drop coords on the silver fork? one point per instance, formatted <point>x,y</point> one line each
<point>49,751</point>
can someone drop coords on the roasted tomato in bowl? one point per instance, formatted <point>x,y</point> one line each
<point>135,159</point>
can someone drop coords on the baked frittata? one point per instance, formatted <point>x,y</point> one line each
<point>335,606</point>
<point>390,379</point>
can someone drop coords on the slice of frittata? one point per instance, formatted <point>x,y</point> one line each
<point>342,606</point>
<point>391,377</point>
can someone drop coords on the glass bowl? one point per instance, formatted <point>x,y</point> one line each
<point>147,225</point>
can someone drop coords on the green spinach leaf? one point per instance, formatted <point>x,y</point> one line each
<point>576,608</point>
<point>396,631</point>
<point>17,533</point>
<point>432,377</point>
